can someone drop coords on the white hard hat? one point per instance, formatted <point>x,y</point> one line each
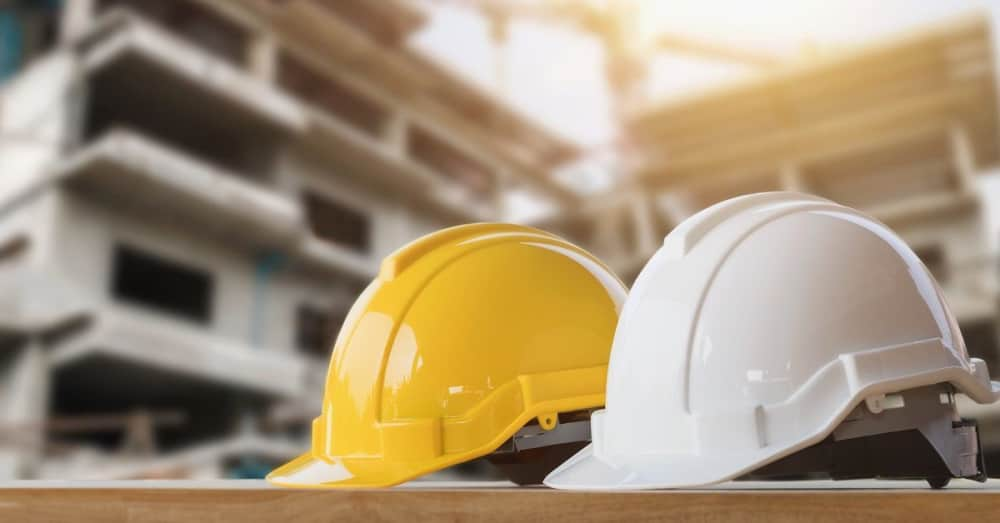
<point>759,327</point>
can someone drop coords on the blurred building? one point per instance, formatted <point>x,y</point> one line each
<point>899,129</point>
<point>192,194</point>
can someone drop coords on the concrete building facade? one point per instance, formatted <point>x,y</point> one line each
<point>192,195</point>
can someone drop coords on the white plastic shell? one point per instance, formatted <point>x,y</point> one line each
<point>755,329</point>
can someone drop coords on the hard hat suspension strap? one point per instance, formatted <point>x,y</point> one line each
<point>919,437</point>
<point>534,451</point>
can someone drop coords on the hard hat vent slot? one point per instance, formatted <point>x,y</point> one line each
<point>946,398</point>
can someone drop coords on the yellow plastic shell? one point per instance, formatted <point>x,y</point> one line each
<point>466,335</point>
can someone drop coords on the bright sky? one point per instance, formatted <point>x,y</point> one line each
<point>554,73</point>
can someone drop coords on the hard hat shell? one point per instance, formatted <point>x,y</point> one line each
<point>755,329</point>
<point>466,335</point>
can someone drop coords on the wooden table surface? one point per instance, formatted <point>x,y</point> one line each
<point>252,501</point>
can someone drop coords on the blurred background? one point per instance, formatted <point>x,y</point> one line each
<point>193,192</point>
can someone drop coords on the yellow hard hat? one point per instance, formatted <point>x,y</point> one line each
<point>468,338</point>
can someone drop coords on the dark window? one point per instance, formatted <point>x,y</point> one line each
<point>201,27</point>
<point>13,247</point>
<point>140,95</point>
<point>167,286</point>
<point>933,258</point>
<point>330,96</point>
<point>451,163</point>
<point>315,329</point>
<point>370,19</point>
<point>338,224</point>
<point>144,98</point>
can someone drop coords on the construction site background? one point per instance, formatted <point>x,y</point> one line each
<point>193,192</point>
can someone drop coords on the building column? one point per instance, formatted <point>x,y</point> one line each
<point>503,185</point>
<point>77,16</point>
<point>963,157</point>
<point>262,57</point>
<point>24,391</point>
<point>609,236</point>
<point>642,211</point>
<point>791,179</point>
<point>395,134</point>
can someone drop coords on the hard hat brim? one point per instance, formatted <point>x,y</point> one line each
<point>586,471</point>
<point>309,471</point>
